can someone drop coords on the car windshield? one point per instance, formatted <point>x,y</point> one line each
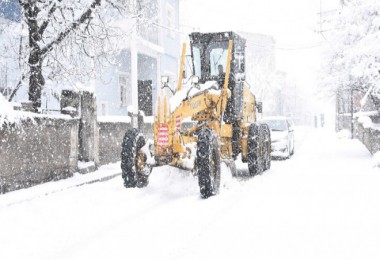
<point>277,125</point>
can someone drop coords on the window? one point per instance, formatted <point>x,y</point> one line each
<point>123,83</point>
<point>208,56</point>
<point>197,61</point>
<point>218,56</point>
<point>170,20</point>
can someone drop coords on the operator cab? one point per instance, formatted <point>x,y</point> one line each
<point>209,52</point>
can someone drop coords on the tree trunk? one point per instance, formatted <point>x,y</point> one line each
<point>37,53</point>
<point>36,79</point>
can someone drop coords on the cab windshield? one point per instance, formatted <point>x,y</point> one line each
<point>207,57</point>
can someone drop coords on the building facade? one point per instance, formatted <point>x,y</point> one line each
<point>152,51</point>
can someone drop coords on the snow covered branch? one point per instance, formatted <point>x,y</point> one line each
<point>353,60</point>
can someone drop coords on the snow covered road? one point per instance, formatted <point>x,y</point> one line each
<point>323,203</point>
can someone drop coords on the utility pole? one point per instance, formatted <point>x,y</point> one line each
<point>134,70</point>
<point>352,112</point>
<point>320,16</point>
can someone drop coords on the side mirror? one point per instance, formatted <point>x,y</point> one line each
<point>195,80</point>
<point>259,107</point>
<point>165,79</point>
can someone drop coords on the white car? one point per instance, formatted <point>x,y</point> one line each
<point>282,136</point>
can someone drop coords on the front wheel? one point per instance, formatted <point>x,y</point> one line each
<point>135,170</point>
<point>208,163</point>
<point>267,147</point>
<point>254,150</point>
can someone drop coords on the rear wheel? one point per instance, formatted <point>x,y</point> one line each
<point>208,163</point>
<point>135,171</point>
<point>254,150</point>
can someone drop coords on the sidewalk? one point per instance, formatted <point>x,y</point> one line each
<point>104,173</point>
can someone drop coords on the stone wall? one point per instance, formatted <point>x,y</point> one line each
<point>40,149</point>
<point>369,136</point>
<point>343,121</point>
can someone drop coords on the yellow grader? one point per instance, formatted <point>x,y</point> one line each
<point>210,119</point>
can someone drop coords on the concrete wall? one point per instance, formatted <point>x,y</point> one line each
<point>45,149</point>
<point>37,151</point>
<point>110,138</point>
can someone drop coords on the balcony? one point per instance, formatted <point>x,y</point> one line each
<point>149,32</point>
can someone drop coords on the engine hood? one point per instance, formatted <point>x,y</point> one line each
<point>278,135</point>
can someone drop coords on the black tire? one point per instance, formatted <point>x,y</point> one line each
<point>292,152</point>
<point>266,147</point>
<point>133,175</point>
<point>208,163</point>
<point>289,152</point>
<point>254,150</point>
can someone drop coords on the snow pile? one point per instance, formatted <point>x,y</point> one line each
<point>8,115</point>
<point>77,87</point>
<point>343,134</point>
<point>365,121</point>
<point>149,119</point>
<point>190,91</point>
<point>114,119</point>
<point>376,159</point>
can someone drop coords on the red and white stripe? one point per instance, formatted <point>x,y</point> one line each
<point>178,122</point>
<point>163,135</point>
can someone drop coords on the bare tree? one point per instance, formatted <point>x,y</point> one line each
<point>60,34</point>
<point>59,43</point>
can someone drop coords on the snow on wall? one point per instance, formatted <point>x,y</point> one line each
<point>37,151</point>
<point>7,114</point>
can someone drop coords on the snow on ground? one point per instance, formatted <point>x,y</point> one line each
<point>323,203</point>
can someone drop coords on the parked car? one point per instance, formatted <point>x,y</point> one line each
<point>282,136</point>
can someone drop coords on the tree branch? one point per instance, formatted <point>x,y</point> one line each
<point>83,18</point>
<point>19,84</point>
<point>46,22</point>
